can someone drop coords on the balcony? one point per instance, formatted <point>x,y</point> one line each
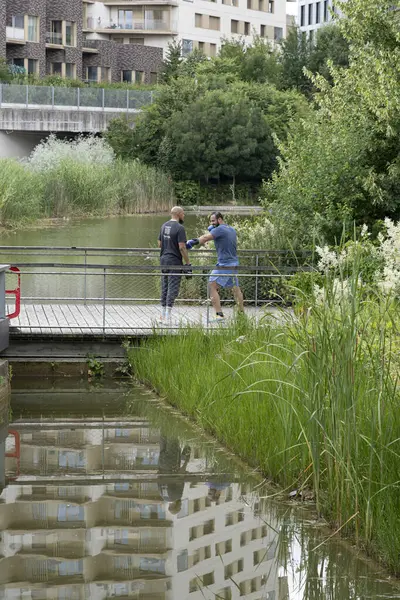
<point>15,35</point>
<point>147,25</point>
<point>54,39</point>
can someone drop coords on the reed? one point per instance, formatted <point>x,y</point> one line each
<point>73,189</point>
<point>311,400</point>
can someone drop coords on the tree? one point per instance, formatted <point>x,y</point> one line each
<point>219,136</point>
<point>171,64</point>
<point>343,163</point>
<point>296,50</point>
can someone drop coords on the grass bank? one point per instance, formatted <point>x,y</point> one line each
<point>73,189</point>
<point>312,402</point>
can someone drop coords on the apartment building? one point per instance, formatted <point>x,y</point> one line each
<point>313,14</point>
<point>47,37</point>
<point>200,24</point>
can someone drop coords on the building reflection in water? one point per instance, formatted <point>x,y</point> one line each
<point>106,509</point>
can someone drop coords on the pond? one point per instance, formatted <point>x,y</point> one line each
<point>108,493</point>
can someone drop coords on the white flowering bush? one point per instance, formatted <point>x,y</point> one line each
<point>50,153</point>
<point>389,249</point>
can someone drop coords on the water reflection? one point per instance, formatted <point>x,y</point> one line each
<point>143,507</point>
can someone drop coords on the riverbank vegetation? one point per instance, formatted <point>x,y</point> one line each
<point>309,398</point>
<point>80,178</point>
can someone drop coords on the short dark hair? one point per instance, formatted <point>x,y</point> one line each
<point>217,215</point>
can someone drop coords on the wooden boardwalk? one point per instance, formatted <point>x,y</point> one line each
<point>118,320</point>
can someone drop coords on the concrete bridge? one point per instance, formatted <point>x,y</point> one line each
<point>28,113</point>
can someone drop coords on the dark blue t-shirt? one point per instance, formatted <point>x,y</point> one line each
<point>225,244</point>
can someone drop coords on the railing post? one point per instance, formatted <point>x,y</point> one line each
<point>127,100</point>
<point>256,290</point>
<point>151,97</point>
<point>78,99</point>
<point>103,98</point>
<point>208,304</point>
<point>52,96</point>
<point>27,96</point>
<point>1,93</point>
<point>85,280</point>
<point>104,301</point>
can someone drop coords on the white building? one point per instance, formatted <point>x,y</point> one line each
<point>198,24</point>
<point>313,14</point>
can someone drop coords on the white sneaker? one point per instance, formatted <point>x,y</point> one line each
<point>217,319</point>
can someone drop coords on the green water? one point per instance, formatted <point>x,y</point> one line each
<point>108,494</point>
<point>136,231</point>
<point>41,283</point>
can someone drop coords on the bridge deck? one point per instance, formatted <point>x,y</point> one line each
<point>117,320</point>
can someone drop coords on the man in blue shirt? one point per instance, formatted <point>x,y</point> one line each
<point>225,240</point>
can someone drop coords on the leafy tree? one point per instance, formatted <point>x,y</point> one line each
<point>343,162</point>
<point>296,50</point>
<point>121,137</point>
<point>219,136</point>
<point>331,45</point>
<point>171,64</point>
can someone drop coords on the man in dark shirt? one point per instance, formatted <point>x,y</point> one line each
<point>172,243</point>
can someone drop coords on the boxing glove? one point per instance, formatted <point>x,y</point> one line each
<point>190,244</point>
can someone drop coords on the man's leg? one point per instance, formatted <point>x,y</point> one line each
<point>215,299</point>
<point>164,293</point>
<point>173,290</point>
<point>237,294</point>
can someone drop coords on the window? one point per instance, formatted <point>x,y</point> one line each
<point>153,77</point>
<point>70,33</point>
<point>198,20</point>
<point>69,512</point>
<point>16,21</point>
<point>278,34</point>
<point>249,4</point>
<point>326,13</point>
<point>311,35</point>
<point>55,35</point>
<point>126,76</point>
<point>318,12</point>
<point>302,16</point>
<point>118,40</point>
<point>213,49</point>
<point>246,28</point>
<point>260,4</point>
<point>33,66</point>
<point>70,71</point>
<point>91,74</point>
<point>104,74</point>
<point>187,47</point>
<point>271,6</point>
<point>310,14</point>
<point>234,26</point>
<point>263,29</point>
<point>214,23</point>
<point>18,62</point>
<point>33,29</point>
<point>136,40</point>
<point>56,69</point>
<point>139,76</point>
<point>125,19</point>
<point>182,561</point>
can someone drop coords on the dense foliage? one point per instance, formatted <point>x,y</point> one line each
<point>342,163</point>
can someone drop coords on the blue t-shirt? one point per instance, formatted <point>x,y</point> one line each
<point>225,244</point>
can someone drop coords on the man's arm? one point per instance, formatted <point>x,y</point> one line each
<point>184,252</point>
<point>159,243</point>
<point>207,237</point>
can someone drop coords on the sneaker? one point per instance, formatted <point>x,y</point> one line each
<point>217,319</point>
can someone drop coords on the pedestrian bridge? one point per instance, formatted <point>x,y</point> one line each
<point>49,109</point>
<point>80,294</point>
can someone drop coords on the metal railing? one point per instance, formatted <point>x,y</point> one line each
<point>87,98</point>
<point>117,290</point>
<point>134,26</point>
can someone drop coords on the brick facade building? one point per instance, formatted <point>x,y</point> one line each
<point>46,37</point>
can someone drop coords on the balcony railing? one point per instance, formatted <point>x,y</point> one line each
<point>15,33</point>
<point>54,38</point>
<point>145,25</point>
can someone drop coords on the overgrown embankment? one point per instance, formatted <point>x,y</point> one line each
<point>79,178</point>
<point>311,401</point>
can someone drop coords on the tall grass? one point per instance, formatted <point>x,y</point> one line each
<point>312,401</point>
<point>72,188</point>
